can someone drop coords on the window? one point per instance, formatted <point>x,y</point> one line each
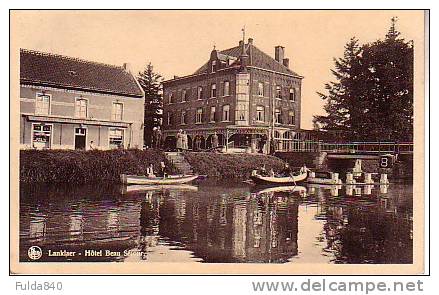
<point>226,112</point>
<point>213,66</point>
<point>260,89</point>
<point>81,108</point>
<point>183,118</point>
<point>199,116</point>
<point>260,113</point>
<point>292,94</point>
<point>41,136</point>
<point>200,92</point>
<point>278,92</point>
<point>117,111</point>
<point>184,95</point>
<point>42,104</point>
<point>171,97</point>
<point>277,116</point>
<point>226,88</point>
<point>212,114</point>
<point>116,138</point>
<point>213,90</point>
<point>170,119</point>
<point>292,118</point>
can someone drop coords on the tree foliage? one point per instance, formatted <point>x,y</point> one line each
<point>372,97</point>
<point>151,83</point>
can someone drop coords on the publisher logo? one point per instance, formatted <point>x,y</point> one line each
<point>34,252</point>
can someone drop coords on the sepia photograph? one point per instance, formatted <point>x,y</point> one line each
<point>217,141</point>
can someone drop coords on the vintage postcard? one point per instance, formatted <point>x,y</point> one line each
<point>217,142</point>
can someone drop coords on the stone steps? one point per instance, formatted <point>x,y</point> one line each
<point>179,162</point>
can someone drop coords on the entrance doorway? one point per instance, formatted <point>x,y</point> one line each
<point>80,138</point>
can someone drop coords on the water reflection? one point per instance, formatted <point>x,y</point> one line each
<point>220,223</point>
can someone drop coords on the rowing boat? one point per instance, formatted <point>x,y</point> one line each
<point>170,179</point>
<point>282,180</point>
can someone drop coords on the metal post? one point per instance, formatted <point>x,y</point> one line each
<point>227,140</point>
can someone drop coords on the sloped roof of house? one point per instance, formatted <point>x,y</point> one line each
<point>45,69</point>
<point>257,58</point>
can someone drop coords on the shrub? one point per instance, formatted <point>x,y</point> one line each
<point>69,166</point>
<point>231,165</point>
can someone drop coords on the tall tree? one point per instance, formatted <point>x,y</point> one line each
<point>388,67</point>
<point>151,83</point>
<point>341,98</point>
<point>372,98</point>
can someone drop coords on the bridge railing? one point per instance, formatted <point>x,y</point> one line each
<point>351,147</point>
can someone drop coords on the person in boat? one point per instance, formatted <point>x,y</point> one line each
<point>304,169</point>
<point>163,169</point>
<point>150,171</point>
<point>263,171</point>
<point>287,170</point>
<point>271,173</point>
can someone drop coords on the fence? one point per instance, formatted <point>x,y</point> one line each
<point>289,145</point>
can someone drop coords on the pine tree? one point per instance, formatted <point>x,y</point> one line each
<point>342,95</point>
<point>372,99</point>
<point>389,73</point>
<point>151,83</point>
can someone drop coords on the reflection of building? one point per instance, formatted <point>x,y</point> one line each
<point>67,103</point>
<point>260,229</point>
<point>240,93</point>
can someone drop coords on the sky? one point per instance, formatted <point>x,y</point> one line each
<point>179,42</point>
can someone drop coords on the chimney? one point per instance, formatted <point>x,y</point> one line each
<point>127,67</point>
<point>279,53</point>
<point>241,43</point>
<point>286,62</point>
<point>250,41</point>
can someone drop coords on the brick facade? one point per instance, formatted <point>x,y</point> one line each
<point>270,87</point>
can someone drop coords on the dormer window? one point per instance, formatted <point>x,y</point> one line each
<point>213,70</point>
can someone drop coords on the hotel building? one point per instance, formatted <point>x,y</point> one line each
<point>242,94</point>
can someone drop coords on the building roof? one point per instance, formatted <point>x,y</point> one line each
<point>45,69</point>
<point>257,58</point>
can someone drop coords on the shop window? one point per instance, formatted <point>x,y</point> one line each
<point>41,136</point>
<point>116,138</point>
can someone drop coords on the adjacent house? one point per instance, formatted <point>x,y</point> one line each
<point>241,94</point>
<point>70,103</point>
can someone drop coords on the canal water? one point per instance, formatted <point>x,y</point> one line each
<point>214,222</point>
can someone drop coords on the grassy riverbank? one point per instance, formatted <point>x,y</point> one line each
<point>230,166</point>
<point>67,166</point>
